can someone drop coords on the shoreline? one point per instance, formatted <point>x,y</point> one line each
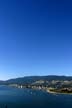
<point>53,92</point>
<point>46,90</point>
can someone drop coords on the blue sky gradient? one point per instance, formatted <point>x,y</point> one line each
<point>35,38</point>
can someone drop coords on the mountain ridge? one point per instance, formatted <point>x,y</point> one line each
<point>31,79</point>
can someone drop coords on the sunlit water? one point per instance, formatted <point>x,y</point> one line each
<point>26,98</point>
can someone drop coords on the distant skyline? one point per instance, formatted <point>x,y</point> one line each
<point>35,38</point>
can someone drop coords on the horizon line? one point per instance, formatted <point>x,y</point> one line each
<point>36,76</point>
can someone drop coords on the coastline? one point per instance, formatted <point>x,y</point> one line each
<point>54,92</point>
<point>48,90</point>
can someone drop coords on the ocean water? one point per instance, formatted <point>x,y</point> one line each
<point>27,98</point>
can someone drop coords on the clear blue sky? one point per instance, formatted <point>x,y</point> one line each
<point>35,38</point>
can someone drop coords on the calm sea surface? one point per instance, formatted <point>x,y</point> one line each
<point>26,98</point>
